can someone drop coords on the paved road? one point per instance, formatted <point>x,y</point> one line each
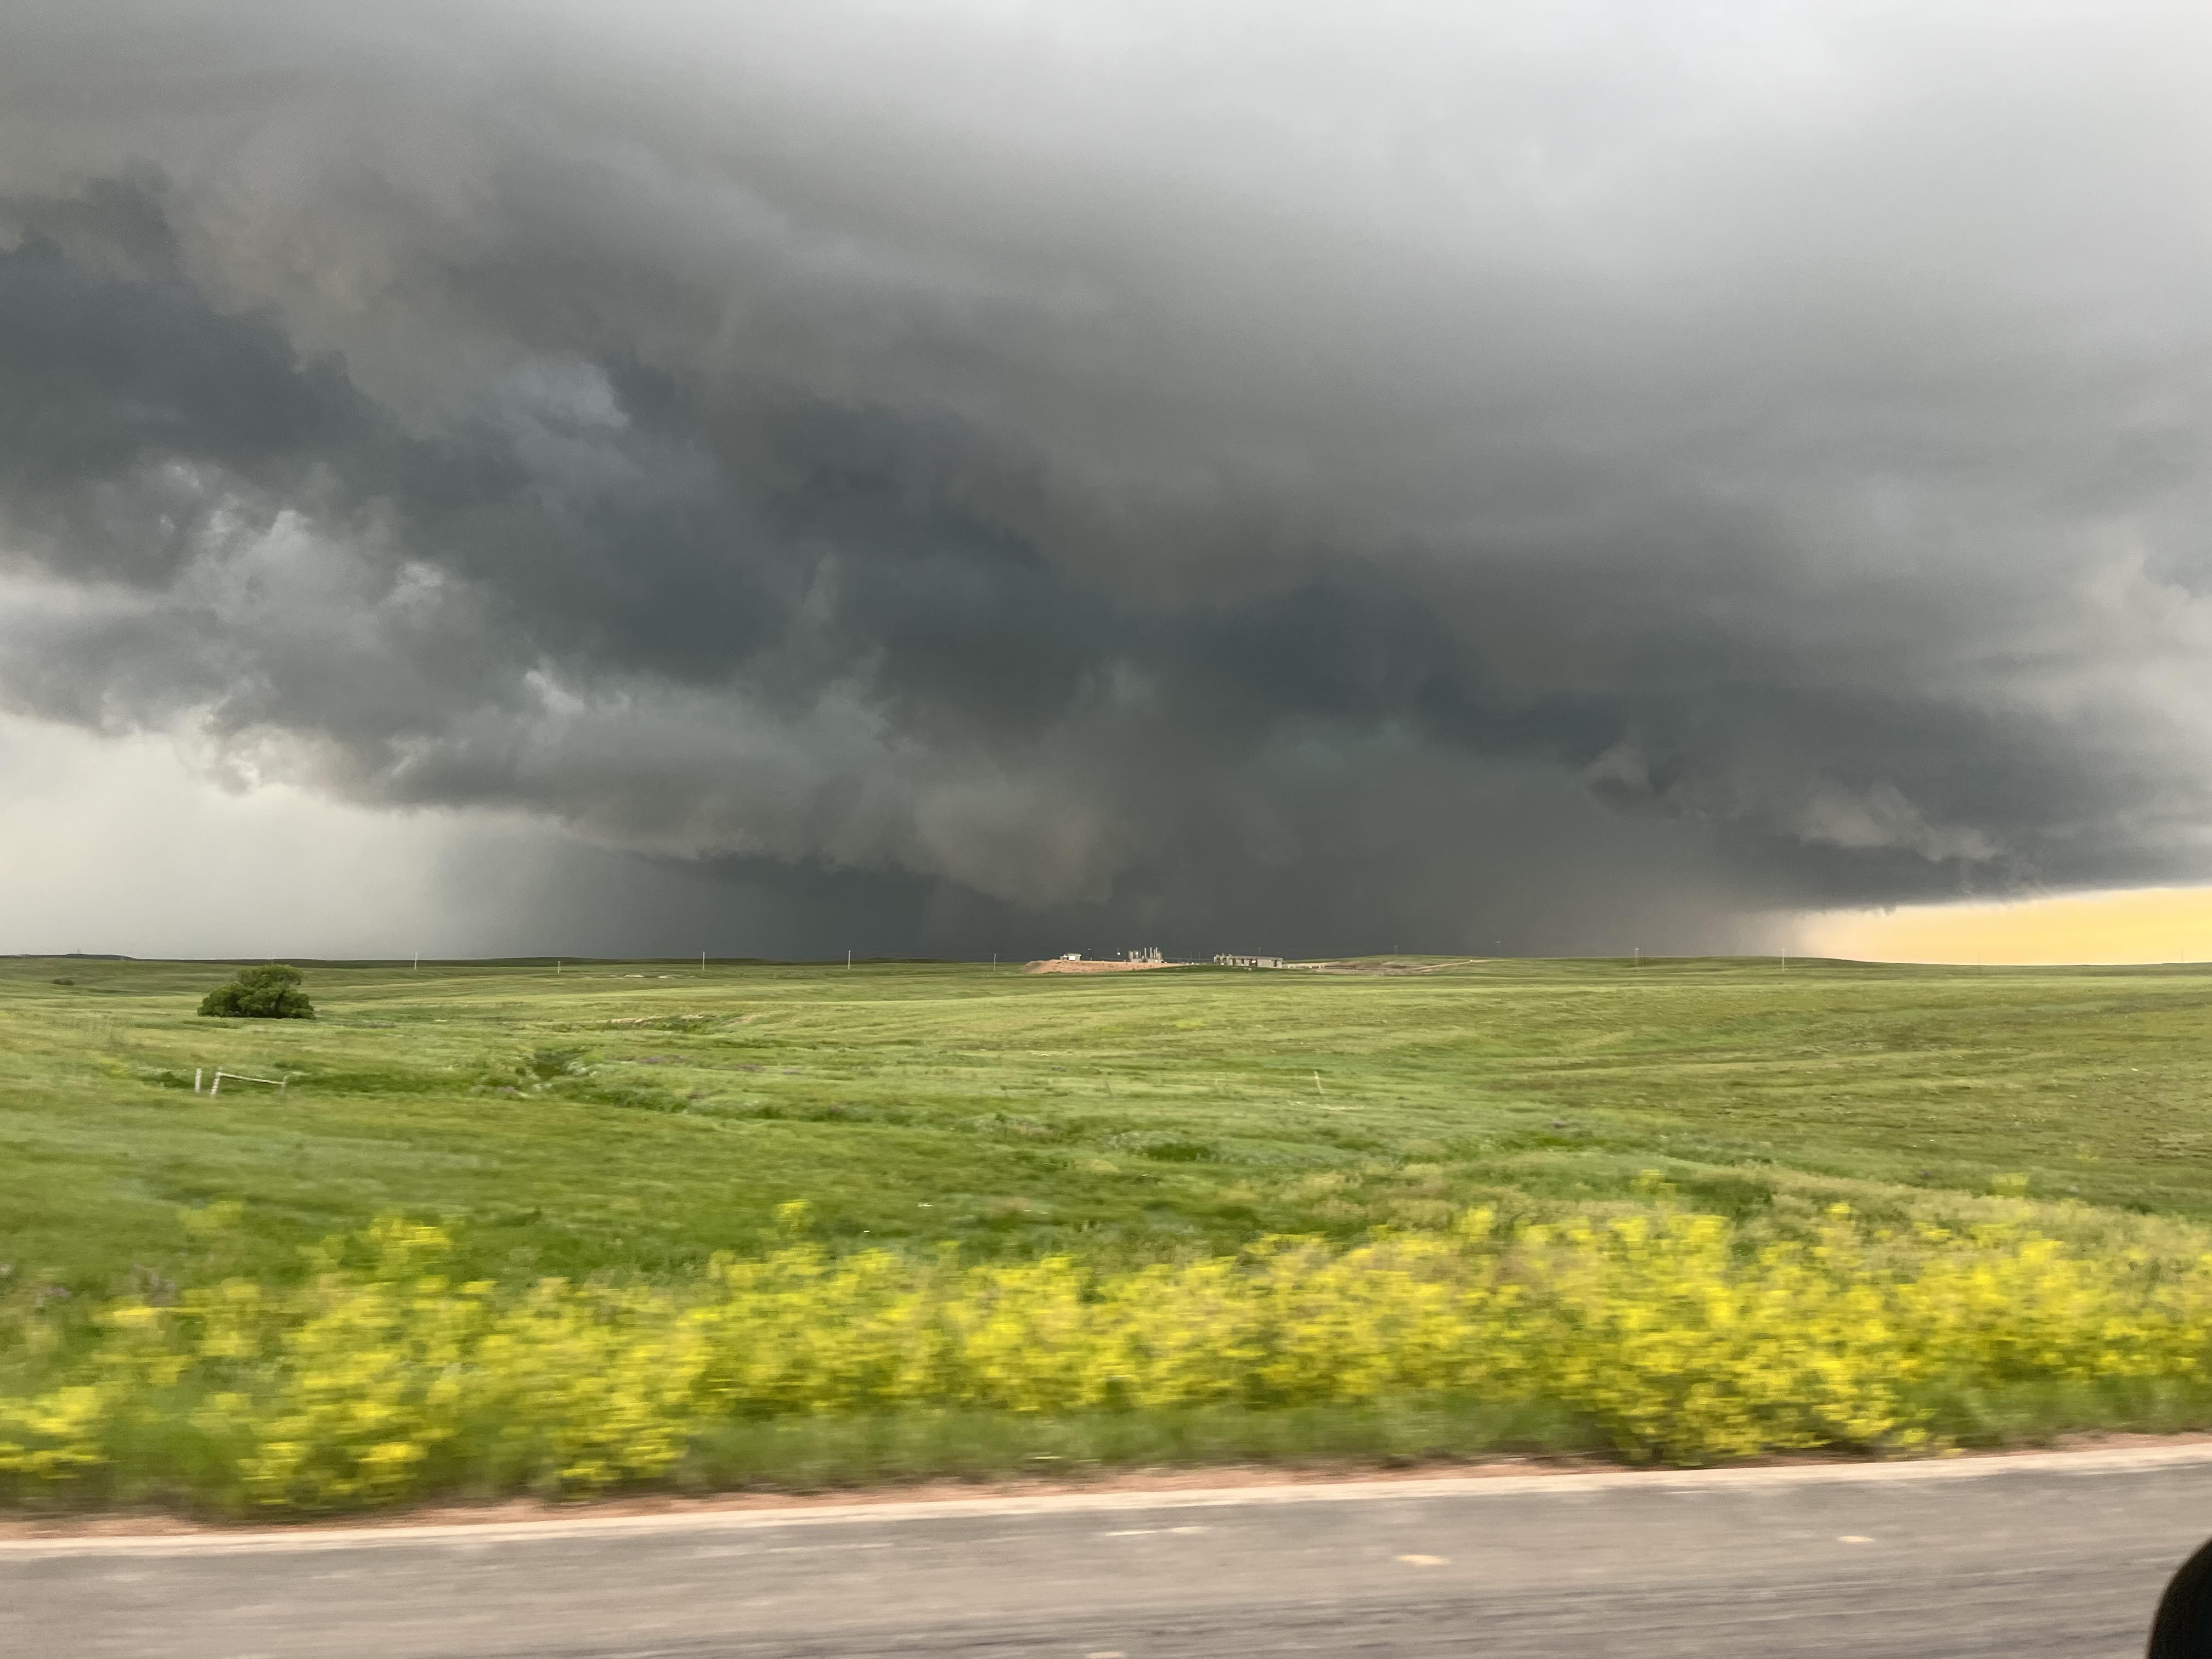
<point>2032,1557</point>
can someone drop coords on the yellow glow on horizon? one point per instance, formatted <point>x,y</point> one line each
<point>2144,924</point>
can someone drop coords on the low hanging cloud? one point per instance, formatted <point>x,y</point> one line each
<point>1381,477</point>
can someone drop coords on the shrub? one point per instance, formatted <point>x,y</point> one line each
<point>1167,1146</point>
<point>271,991</point>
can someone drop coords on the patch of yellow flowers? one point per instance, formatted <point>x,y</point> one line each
<point>373,1381</point>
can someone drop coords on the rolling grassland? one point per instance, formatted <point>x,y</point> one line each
<point>519,1227</point>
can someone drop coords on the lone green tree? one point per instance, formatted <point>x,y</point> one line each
<point>268,992</point>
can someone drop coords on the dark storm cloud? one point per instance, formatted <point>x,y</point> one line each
<point>1420,477</point>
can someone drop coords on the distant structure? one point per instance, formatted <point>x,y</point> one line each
<point>1075,962</point>
<point>1248,962</point>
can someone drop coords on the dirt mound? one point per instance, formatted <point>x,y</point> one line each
<point>1057,966</point>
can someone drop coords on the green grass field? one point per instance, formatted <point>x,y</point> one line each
<point>2026,1154</point>
<point>637,1117</point>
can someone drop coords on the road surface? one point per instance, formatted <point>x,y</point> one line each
<point>2057,1555</point>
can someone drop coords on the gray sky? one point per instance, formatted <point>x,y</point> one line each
<point>965,477</point>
